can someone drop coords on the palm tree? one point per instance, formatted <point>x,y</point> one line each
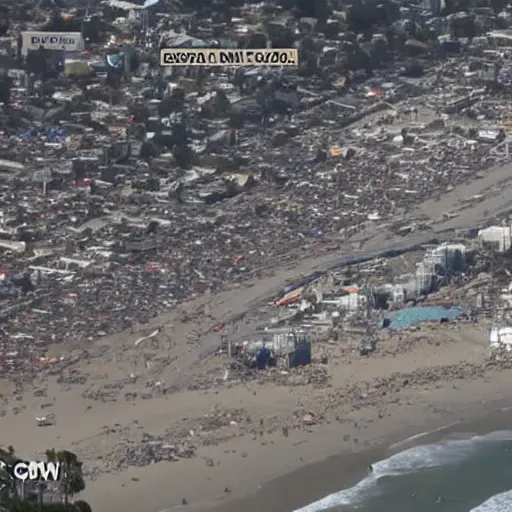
<point>6,480</point>
<point>5,485</point>
<point>72,475</point>
<point>40,495</point>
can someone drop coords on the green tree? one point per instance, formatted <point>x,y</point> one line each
<point>6,484</point>
<point>10,485</point>
<point>72,473</point>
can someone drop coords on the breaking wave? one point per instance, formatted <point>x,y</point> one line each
<point>498,503</point>
<point>412,460</point>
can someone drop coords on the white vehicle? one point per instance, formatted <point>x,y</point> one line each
<point>46,421</point>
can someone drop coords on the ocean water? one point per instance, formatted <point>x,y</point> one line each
<point>467,475</point>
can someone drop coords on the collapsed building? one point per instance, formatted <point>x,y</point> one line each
<point>356,300</point>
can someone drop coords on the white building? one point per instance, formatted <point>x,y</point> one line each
<point>497,236</point>
<point>448,256</point>
<point>501,337</point>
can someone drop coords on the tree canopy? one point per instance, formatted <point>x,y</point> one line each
<point>72,482</point>
<point>72,474</point>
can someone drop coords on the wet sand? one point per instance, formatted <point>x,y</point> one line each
<point>314,481</point>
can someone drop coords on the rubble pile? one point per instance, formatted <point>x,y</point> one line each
<point>214,419</point>
<point>388,389</point>
<point>315,375</point>
<point>153,450</point>
<point>181,440</point>
<point>144,452</point>
<point>113,390</point>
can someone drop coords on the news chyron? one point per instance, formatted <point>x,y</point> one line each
<point>229,57</point>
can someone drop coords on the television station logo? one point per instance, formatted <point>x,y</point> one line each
<point>274,57</point>
<point>32,470</point>
<point>52,40</point>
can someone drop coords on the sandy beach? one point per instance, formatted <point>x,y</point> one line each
<point>271,437</point>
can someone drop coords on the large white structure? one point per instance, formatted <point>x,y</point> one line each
<point>424,278</point>
<point>501,337</point>
<point>499,236</point>
<point>448,256</point>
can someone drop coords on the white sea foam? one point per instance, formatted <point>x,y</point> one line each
<point>407,461</point>
<point>423,434</point>
<point>498,503</point>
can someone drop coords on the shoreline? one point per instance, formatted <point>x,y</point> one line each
<point>315,481</point>
<point>272,456</point>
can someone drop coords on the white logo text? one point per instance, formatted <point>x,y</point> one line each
<point>33,470</point>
